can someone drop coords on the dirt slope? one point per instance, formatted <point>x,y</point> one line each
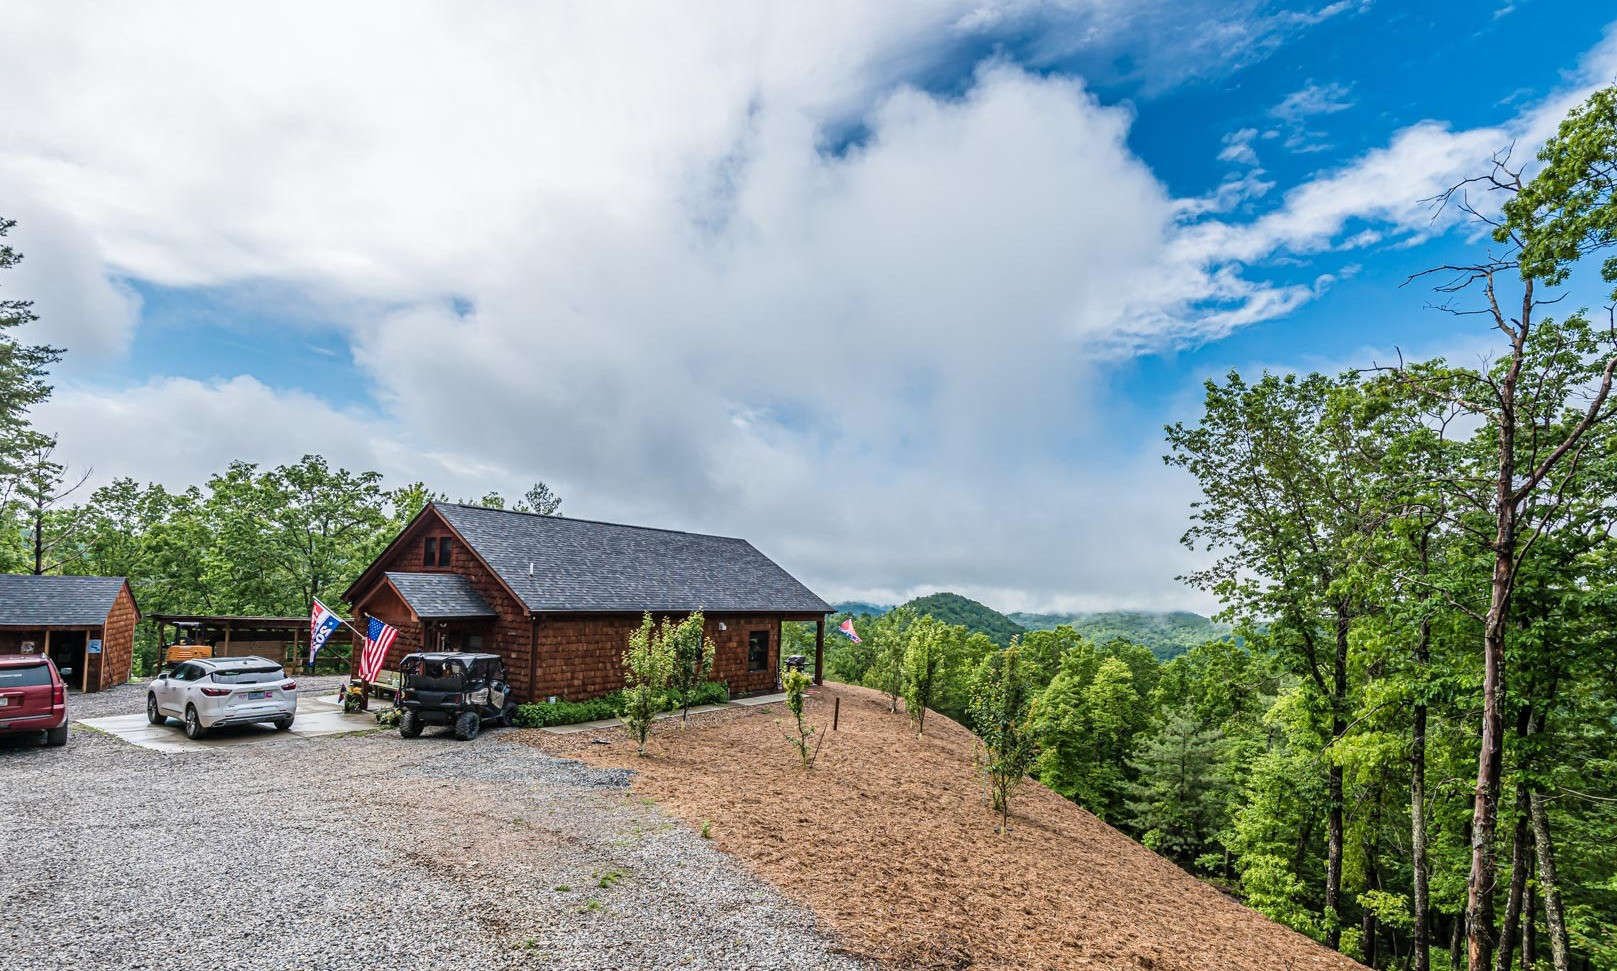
<point>889,841</point>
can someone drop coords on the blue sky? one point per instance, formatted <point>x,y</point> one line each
<point>903,294</point>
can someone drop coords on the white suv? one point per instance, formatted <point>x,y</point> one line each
<point>209,692</point>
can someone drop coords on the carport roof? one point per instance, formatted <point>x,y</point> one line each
<point>56,601</point>
<point>440,595</point>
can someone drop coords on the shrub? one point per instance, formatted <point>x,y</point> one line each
<point>541,714</point>
<point>925,650</point>
<point>796,683</point>
<point>1001,712</point>
<point>693,660</point>
<point>648,666</point>
<point>710,693</point>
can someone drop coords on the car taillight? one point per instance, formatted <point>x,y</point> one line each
<point>58,695</point>
<point>290,686</point>
<point>216,692</point>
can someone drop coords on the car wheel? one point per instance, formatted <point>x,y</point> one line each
<point>193,725</point>
<point>282,724</point>
<point>409,724</point>
<point>466,726</point>
<point>153,714</point>
<point>56,736</point>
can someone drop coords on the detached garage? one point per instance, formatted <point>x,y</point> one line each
<point>85,624</point>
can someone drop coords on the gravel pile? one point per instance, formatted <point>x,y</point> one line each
<point>365,850</point>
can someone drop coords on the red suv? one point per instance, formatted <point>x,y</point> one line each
<point>32,697</point>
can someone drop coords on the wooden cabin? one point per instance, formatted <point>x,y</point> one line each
<point>85,624</point>
<point>557,597</point>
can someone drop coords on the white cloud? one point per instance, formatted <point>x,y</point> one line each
<point>1312,99</point>
<point>686,301</point>
<point>1385,193</point>
<point>1238,147</point>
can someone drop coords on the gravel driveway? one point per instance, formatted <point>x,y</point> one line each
<point>363,850</point>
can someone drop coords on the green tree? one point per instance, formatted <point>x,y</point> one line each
<point>1284,466</point>
<point>693,660</point>
<point>648,667</point>
<point>541,499</point>
<point>1002,714</point>
<point>1179,799</point>
<point>926,650</point>
<point>1543,402</point>
<point>23,368</point>
<point>1086,721</point>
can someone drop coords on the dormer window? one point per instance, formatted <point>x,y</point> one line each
<point>438,551</point>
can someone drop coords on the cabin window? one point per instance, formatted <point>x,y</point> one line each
<point>444,544</point>
<point>430,557</point>
<point>758,650</point>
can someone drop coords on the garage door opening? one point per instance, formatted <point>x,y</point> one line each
<point>67,650</point>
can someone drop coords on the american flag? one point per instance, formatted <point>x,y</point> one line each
<point>378,639</point>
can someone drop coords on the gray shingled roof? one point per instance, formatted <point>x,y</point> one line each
<point>580,565</point>
<point>440,595</point>
<point>55,601</point>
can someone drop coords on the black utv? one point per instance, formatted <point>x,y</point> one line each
<point>451,688</point>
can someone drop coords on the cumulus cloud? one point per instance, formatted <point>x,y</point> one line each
<point>742,280</point>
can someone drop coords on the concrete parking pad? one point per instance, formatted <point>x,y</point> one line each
<point>315,719</point>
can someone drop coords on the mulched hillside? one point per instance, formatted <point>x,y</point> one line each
<point>888,839</point>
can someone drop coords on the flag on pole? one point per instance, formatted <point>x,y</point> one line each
<point>847,631</point>
<point>377,642</point>
<point>322,622</point>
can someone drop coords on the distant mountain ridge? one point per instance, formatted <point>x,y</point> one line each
<point>958,611</point>
<point>1168,634</point>
<point>855,608</point>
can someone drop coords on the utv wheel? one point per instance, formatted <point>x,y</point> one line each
<point>282,724</point>
<point>466,726</point>
<point>193,725</point>
<point>56,736</point>
<point>153,715</point>
<point>409,725</point>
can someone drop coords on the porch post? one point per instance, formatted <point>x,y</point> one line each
<point>84,683</point>
<point>819,651</point>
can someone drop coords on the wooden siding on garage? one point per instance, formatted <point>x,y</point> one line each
<point>112,666</point>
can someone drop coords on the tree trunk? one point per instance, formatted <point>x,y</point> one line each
<point>1372,881</point>
<point>1421,959</point>
<point>1519,845</point>
<point>1554,920</point>
<point>1333,845</point>
<point>1529,923</point>
<point>1518,882</point>
<point>1456,939</point>
<point>39,542</point>
<point>1490,754</point>
<point>1458,934</point>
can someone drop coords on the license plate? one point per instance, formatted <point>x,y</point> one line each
<point>258,694</point>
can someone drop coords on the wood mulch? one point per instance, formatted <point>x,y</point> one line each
<point>889,840</point>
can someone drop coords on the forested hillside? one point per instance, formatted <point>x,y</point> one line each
<point>958,611</point>
<point>1168,635</point>
<point>1408,749</point>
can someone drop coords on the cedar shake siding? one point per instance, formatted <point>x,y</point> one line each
<point>557,598</point>
<point>62,615</point>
